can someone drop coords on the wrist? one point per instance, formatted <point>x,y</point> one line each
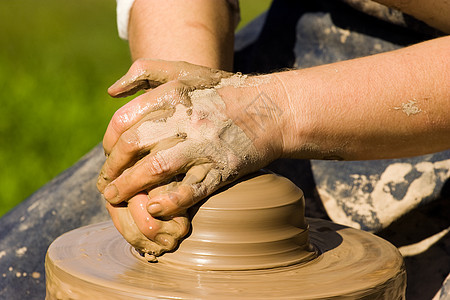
<point>298,124</point>
<point>252,104</point>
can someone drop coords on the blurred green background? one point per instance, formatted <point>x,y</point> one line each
<point>57,58</point>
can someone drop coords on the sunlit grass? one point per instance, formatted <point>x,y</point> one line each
<point>57,58</point>
<point>250,9</point>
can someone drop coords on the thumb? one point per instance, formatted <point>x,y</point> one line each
<point>149,73</point>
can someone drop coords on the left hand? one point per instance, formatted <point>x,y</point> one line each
<point>142,231</point>
<point>182,127</point>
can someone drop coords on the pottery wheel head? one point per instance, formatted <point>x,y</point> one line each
<point>248,241</point>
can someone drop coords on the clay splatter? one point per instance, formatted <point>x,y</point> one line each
<point>409,108</point>
<point>21,251</point>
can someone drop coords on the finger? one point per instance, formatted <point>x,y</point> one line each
<point>155,105</point>
<point>125,224</point>
<point>182,196</point>
<point>177,227</point>
<point>149,171</point>
<point>148,73</point>
<point>172,231</point>
<point>165,233</point>
<point>143,74</point>
<point>114,212</point>
<point>144,232</point>
<point>131,147</point>
<point>143,220</point>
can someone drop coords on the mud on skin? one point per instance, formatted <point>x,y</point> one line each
<point>176,143</point>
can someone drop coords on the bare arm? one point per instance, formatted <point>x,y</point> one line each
<point>394,104</point>
<point>433,12</point>
<point>199,32</point>
<point>387,105</point>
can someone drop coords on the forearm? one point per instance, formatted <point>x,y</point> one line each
<point>199,32</point>
<point>387,105</point>
<point>433,12</point>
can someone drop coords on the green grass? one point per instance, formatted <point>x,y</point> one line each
<point>250,9</point>
<point>57,58</point>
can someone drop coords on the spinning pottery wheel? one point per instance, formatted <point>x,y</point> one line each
<point>250,241</point>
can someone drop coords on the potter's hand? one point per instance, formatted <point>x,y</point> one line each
<point>180,140</point>
<point>142,231</point>
<point>131,218</point>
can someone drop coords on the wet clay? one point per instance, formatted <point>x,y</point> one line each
<point>257,223</point>
<point>249,241</point>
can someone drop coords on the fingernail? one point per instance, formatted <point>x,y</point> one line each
<point>110,192</point>
<point>154,209</point>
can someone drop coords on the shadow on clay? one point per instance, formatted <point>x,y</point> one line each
<point>325,238</point>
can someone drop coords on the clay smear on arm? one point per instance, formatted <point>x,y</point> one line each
<point>409,108</point>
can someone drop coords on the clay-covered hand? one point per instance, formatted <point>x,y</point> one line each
<point>178,141</point>
<point>142,231</point>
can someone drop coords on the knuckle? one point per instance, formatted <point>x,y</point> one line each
<point>125,182</point>
<point>156,164</point>
<point>103,178</point>
<point>180,227</point>
<point>101,183</point>
<point>175,86</point>
<point>129,142</point>
<point>140,65</point>
<point>166,240</point>
<point>118,121</point>
<point>185,197</point>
